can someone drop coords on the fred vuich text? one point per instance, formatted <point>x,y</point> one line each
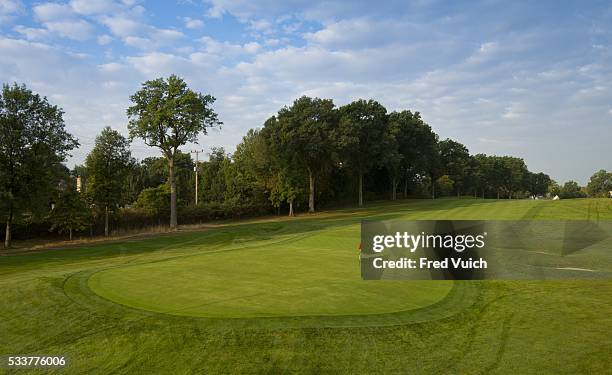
<point>425,263</point>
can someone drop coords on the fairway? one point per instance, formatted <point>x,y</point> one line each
<point>290,291</point>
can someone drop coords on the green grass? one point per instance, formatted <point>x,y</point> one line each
<point>285,296</point>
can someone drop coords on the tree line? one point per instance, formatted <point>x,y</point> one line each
<point>309,154</point>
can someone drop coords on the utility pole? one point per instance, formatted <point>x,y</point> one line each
<point>195,169</point>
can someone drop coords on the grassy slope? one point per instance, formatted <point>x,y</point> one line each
<point>556,327</point>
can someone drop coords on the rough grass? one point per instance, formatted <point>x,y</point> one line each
<point>296,324</point>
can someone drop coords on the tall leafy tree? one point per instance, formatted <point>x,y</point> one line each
<point>362,138</point>
<point>455,158</point>
<point>514,170</point>
<point>108,165</point>
<point>600,184</point>
<point>538,183</point>
<point>252,168</point>
<point>33,144</point>
<point>214,187</point>
<point>416,143</point>
<point>300,136</point>
<point>167,114</point>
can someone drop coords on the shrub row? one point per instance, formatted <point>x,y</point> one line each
<point>138,219</point>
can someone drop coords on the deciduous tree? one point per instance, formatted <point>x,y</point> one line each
<point>107,166</point>
<point>70,213</point>
<point>33,144</point>
<point>362,138</point>
<point>167,114</point>
<point>300,136</point>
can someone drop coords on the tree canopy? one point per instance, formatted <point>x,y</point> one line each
<point>33,144</point>
<point>167,114</point>
<point>108,166</point>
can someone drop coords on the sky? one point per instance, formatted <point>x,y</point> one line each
<point>530,79</point>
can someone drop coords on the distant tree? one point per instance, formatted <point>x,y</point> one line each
<point>33,144</point>
<point>167,114</point>
<point>300,138</point>
<point>445,185</point>
<point>454,159</point>
<point>362,138</point>
<point>154,200</point>
<point>571,189</point>
<point>513,171</point>
<point>407,162</point>
<point>538,183</point>
<point>285,189</point>
<point>213,173</point>
<point>600,184</point>
<point>70,213</point>
<point>153,171</point>
<point>417,145</point>
<point>393,162</point>
<point>472,180</point>
<point>108,165</point>
<point>252,168</point>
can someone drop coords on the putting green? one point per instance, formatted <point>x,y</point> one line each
<point>314,274</point>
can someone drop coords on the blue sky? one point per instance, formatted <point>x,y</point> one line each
<point>529,79</point>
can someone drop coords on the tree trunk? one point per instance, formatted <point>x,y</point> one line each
<point>105,221</point>
<point>394,187</point>
<point>498,194</point>
<point>360,189</point>
<point>9,224</point>
<point>406,188</point>
<point>291,208</point>
<point>173,218</point>
<point>70,234</point>
<point>311,197</point>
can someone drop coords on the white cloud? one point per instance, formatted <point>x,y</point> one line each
<point>167,34</point>
<point>272,42</point>
<point>32,33</point>
<point>112,67</point>
<point>261,25</point>
<point>92,7</point>
<point>228,50</point>
<point>9,9</point>
<point>138,42</point>
<point>61,20</point>
<point>138,34</point>
<point>191,23</point>
<point>72,29</point>
<point>122,25</point>
<point>357,33</point>
<point>47,12</point>
<point>104,39</point>
<point>485,52</point>
<point>156,39</point>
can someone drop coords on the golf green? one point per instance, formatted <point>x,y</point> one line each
<point>317,274</point>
